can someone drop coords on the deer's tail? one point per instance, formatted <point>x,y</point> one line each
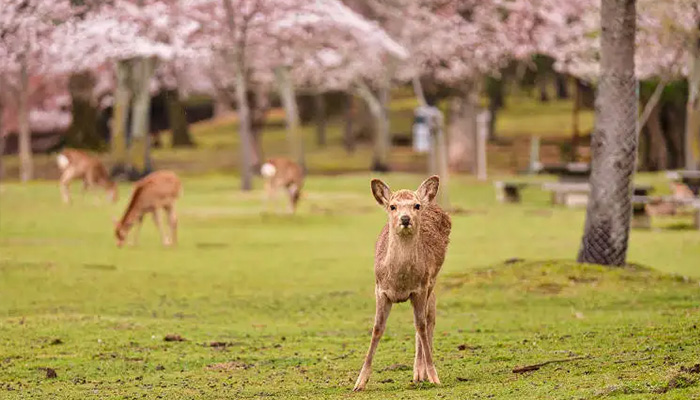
<point>268,170</point>
<point>62,161</point>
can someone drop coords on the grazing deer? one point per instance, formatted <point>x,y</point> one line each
<point>408,256</point>
<point>157,190</point>
<point>76,164</point>
<point>283,173</point>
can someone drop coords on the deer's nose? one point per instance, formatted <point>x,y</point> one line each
<point>405,220</point>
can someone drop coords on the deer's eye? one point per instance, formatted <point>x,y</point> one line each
<point>417,206</point>
<point>392,207</point>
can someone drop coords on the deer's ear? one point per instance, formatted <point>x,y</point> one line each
<point>428,189</point>
<point>381,192</point>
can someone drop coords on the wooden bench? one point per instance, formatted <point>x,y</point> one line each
<point>568,194</point>
<point>641,217</point>
<point>576,194</point>
<point>509,192</point>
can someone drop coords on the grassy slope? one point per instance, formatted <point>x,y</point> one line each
<point>293,296</point>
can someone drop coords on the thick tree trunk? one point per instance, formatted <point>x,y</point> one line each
<point>692,125</point>
<point>462,130</point>
<point>658,153</point>
<point>291,114</point>
<point>348,132</point>
<point>562,81</point>
<point>614,142</point>
<point>83,130</point>
<point>244,131</point>
<point>380,158</point>
<point>140,149</point>
<point>495,90</point>
<point>120,117</point>
<point>177,119</point>
<point>321,119</point>
<point>673,115</point>
<point>2,146</point>
<point>258,114</point>
<point>26,163</point>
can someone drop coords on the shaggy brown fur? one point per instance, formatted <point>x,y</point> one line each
<point>409,253</point>
<point>158,190</point>
<point>76,164</point>
<point>283,173</point>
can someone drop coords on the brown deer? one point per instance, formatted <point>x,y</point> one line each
<point>408,256</point>
<point>76,164</point>
<point>157,190</point>
<point>283,173</point>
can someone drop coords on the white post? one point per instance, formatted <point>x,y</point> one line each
<point>482,130</point>
<point>534,154</point>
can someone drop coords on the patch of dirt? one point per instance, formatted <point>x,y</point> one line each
<point>229,366</point>
<point>50,372</point>
<point>174,338</point>
<point>397,367</point>
<point>463,347</point>
<point>55,342</point>
<point>548,288</point>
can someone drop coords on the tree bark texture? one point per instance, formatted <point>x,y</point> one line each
<point>25,135</point>
<point>348,132</point>
<point>177,119</point>
<point>380,158</point>
<point>140,149</point>
<point>462,130</point>
<point>120,115</point>
<point>614,142</point>
<point>295,138</point>
<point>82,132</point>
<point>692,125</point>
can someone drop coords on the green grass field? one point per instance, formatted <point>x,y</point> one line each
<point>289,300</point>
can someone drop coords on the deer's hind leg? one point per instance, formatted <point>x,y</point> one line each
<point>66,178</point>
<point>420,371</point>
<point>380,318</point>
<point>172,221</point>
<point>420,302</point>
<point>164,237</point>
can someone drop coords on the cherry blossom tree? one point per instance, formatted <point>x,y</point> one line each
<point>25,28</point>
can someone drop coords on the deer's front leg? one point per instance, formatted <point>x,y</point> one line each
<point>66,178</point>
<point>420,317</point>
<point>380,317</point>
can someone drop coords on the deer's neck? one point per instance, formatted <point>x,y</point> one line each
<point>403,249</point>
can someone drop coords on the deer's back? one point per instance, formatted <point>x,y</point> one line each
<point>158,189</point>
<point>288,172</point>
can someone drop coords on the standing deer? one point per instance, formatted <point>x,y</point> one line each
<point>76,164</point>
<point>157,190</point>
<point>283,173</point>
<point>408,256</point>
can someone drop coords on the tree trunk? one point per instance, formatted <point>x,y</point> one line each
<point>177,119</point>
<point>140,149</point>
<point>120,117</point>
<point>462,130</point>
<point>2,145</point>
<point>321,117</point>
<point>575,117</point>
<point>494,88</point>
<point>658,153</point>
<point>562,81</point>
<point>381,137</point>
<point>692,125</point>
<point>82,132</point>
<point>348,132</point>
<point>25,135</point>
<point>291,115</point>
<point>674,116</point>
<point>614,142</point>
<point>244,130</point>
<point>258,115</point>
